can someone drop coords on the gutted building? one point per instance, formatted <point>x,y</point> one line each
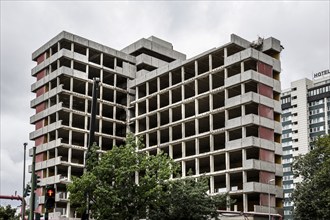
<point>216,114</point>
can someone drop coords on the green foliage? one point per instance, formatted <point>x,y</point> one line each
<point>187,199</point>
<point>115,194</point>
<point>8,213</point>
<point>312,196</point>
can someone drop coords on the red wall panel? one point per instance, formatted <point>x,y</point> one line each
<point>39,124</point>
<point>41,91</point>
<point>266,176</point>
<point>266,112</point>
<point>265,69</point>
<point>41,58</point>
<point>265,90</point>
<point>264,200</point>
<point>39,140</point>
<point>41,74</point>
<point>40,107</point>
<point>266,155</point>
<point>266,133</point>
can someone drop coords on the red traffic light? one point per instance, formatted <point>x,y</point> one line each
<point>50,193</point>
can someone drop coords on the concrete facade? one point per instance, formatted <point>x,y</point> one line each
<point>305,117</point>
<point>216,114</point>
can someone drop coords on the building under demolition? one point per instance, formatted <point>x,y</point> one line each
<point>217,114</point>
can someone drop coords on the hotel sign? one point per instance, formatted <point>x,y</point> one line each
<point>322,73</point>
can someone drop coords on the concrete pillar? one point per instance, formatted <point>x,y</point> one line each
<point>211,184</point>
<point>196,68</point>
<point>183,167</point>
<point>242,66</point>
<point>210,62</point>
<point>245,202</point>
<point>197,166</point>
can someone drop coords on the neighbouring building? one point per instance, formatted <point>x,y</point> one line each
<point>217,113</point>
<point>305,117</point>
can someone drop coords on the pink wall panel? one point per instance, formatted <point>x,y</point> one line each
<point>265,90</point>
<point>266,155</point>
<point>266,112</point>
<point>266,176</point>
<point>39,124</point>
<point>41,58</point>
<point>266,133</point>
<point>265,69</point>
<point>39,140</point>
<point>264,200</point>
<point>40,107</point>
<point>41,91</point>
<point>41,74</point>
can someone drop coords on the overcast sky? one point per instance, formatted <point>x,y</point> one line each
<point>192,27</point>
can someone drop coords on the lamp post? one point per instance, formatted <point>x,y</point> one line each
<point>23,197</point>
<point>269,181</point>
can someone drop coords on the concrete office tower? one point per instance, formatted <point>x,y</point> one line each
<point>305,117</point>
<point>216,114</point>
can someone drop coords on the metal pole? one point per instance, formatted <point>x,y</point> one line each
<point>23,200</point>
<point>269,181</point>
<point>91,136</point>
<point>268,201</point>
<point>93,114</point>
<point>33,176</point>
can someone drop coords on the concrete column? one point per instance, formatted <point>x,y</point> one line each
<point>196,68</point>
<point>101,59</point>
<point>136,121</point>
<point>72,47</point>
<point>242,66</point>
<point>211,163</point>
<point>211,143</point>
<point>225,53</point>
<point>67,213</point>
<point>211,184</point>
<point>227,157</point>
<point>210,62</point>
<point>170,151</point>
<point>170,83</point>
<point>211,122</point>
<point>115,63</point>
<point>245,202</point>
<point>183,165</point>
<point>197,146</point>
<point>196,166</point>
<point>87,53</point>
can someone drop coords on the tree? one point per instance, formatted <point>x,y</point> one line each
<point>8,213</point>
<point>125,184</point>
<point>312,195</point>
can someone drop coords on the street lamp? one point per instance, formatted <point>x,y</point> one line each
<point>269,181</point>
<point>23,197</point>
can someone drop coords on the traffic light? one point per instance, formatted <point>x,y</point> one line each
<point>37,181</point>
<point>27,190</point>
<point>50,197</point>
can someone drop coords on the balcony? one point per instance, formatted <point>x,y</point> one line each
<point>259,165</point>
<point>250,141</point>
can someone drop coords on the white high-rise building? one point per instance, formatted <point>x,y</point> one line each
<point>305,117</point>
